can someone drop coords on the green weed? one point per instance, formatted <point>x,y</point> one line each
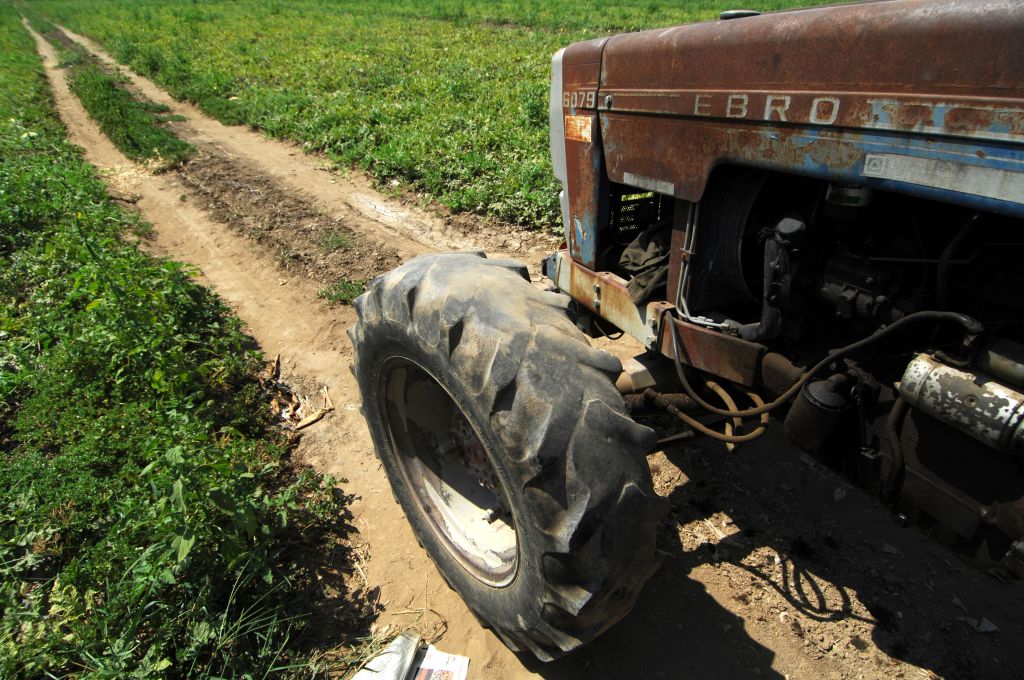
<point>334,240</point>
<point>151,524</point>
<point>134,125</point>
<point>344,291</point>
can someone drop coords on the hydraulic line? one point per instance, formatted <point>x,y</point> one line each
<point>889,484</point>
<point>971,325</point>
<point>661,402</point>
<point>759,402</point>
<point>736,423</point>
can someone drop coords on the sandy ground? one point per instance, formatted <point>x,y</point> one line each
<point>773,566</point>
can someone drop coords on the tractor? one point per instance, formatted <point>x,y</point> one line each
<point>806,220</point>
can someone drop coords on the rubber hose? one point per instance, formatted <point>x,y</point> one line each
<point>737,423</point>
<point>971,325</point>
<point>663,403</point>
<point>899,409</point>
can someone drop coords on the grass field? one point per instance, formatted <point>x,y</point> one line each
<point>135,126</point>
<point>150,524</point>
<point>449,97</point>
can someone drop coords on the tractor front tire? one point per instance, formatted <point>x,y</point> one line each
<point>508,447</point>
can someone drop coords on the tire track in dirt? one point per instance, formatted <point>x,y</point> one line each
<point>349,197</point>
<point>287,318</point>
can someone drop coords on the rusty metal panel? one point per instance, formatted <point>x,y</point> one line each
<point>939,115</point>
<point>717,353</point>
<point>648,147</point>
<point>586,183</point>
<point>830,62</point>
<point>643,151</point>
<point>604,294</point>
<point>821,92</point>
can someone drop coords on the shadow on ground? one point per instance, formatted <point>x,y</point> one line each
<point>815,580</point>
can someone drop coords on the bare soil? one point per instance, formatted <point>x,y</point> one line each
<point>306,240</point>
<point>773,566</point>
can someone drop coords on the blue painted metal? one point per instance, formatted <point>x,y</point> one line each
<point>815,163</point>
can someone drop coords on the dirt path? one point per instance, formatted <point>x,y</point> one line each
<point>286,317</point>
<point>350,197</point>
<point>773,566</point>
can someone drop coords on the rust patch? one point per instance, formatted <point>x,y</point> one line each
<point>860,112</point>
<point>911,116</point>
<point>719,354</point>
<point>1013,120</point>
<point>579,128</point>
<point>647,147</point>
<point>604,294</point>
<point>834,153</point>
<point>880,48</point>
<point>965,120</point>
<point>875,65</point>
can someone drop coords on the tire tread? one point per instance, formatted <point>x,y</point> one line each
<point>577,454</point>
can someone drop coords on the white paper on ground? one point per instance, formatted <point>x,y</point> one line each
<point>394,662</point>
<point>437,665</point>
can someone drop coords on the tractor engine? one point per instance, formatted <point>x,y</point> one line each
<point>934,423</point>
<point>761,202</point>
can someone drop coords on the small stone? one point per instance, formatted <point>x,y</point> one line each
<point>980,626</point>
<point>986,626</point>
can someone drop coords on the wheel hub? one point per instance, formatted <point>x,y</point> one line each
<point>448,470</point>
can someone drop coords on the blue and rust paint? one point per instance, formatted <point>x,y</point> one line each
<point>842,155</point>
<point>682,153</point>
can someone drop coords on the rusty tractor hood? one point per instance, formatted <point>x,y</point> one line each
<point>946,68</point>
<point>922,97</point>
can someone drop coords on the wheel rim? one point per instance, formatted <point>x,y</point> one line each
<point>448,470</point>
